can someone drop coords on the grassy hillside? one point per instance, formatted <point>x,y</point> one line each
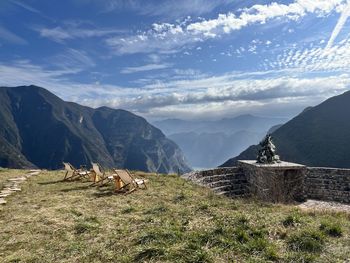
<point>172,221</point>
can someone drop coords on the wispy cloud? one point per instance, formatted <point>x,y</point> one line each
<point>72,59</point>
<point>168,37</point>
<point>314,59</point>
<point>148,67</point>
<point>60,34</point>
<point>25,6</point>
<point>8,36</point>
<point>341,22</point>
<point>167,8</point>
<point>31,9</point>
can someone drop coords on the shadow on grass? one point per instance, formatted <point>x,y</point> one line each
<point>103,193</point>
<point>76,188</point>
<point>52,182</point>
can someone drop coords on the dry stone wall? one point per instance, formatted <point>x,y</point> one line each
<point>229,181</point>
<point>328,184</point>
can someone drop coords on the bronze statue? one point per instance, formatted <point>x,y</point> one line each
<point>267,153</point>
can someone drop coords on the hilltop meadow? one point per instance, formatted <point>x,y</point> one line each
<point>172,221</point>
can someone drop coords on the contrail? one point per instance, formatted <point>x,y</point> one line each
<point>341,22</point>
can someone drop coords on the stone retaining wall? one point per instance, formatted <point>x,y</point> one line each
<point>328,184</point>
<point>230,181</point>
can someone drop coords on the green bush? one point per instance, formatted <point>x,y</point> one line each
<point>308,241</point>
<point>291,220</point>
<point>331,229</point>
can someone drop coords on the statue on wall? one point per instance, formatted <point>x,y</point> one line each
<point>267,153</point>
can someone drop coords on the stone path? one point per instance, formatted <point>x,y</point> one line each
<point>322,205</point>
<point>12,185</point>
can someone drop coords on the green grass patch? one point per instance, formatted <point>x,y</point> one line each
<point>306,241</point>
<point>332,229</point>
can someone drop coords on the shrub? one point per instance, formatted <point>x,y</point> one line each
<point>331,229</point>
<point>291,220</point>
<point>308,241</point>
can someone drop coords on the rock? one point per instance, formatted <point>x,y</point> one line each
<point>17,179</point>
<point>2,201</point>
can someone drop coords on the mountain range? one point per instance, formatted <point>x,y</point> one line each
<point>319,136</point>
<point>209,143</point>
<point>38,129</point>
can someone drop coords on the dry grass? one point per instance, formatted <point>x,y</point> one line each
<point>172,221</point>
<point>7,174</point>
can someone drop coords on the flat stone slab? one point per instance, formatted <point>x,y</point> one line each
<point>14,189</point>
<point>17,179</point>
<point>6,191</point>
<point>323,205</point>
<point>280,165</point>
<point>2,201</point>
<point>4,195</point>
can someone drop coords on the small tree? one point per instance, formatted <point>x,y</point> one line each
<point>267,153</point>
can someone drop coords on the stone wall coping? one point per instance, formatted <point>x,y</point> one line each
<point>329,168</point>
<point>281,165</point>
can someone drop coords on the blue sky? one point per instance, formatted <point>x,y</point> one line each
<point>197,59</point>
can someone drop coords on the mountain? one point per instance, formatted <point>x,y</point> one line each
<point>319,136</point>
<point>207,150</point>
<point>38,129</point>
<point>209,143</point>
<point>228,125</point>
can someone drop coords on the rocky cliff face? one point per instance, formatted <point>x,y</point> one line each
<point>39,129</point>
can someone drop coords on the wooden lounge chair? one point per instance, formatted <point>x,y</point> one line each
<point>73,173</point>
<point>100,176</point>
<point>129,182</point>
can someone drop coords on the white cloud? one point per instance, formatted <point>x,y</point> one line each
<point>72,58</point>
<point>166,8</point>
<point>8,36</point>
<point>341,22</point>
<point>148,67</point>
<point>59,34</point>
<point>56,34</point>
<point>25,6</point>
<point>171,37</point>
<point>315,59</point>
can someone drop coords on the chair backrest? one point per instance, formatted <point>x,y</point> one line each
<point>125,176</point>
<point>69,167</point>
<point>97,169</point>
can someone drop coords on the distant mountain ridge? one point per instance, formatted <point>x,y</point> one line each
<point>39,129</point>
<point>319,136</point>
<point>227,125</point>
<point>209,143</point>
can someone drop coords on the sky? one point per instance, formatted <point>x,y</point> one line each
<point>198,59</point>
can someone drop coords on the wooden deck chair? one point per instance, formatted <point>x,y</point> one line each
<point>129,181</point>
<point>101,178</point>
<point>73,173</point>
